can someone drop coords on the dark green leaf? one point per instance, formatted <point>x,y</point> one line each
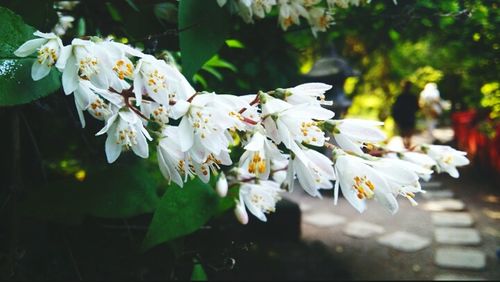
<point>117,191</point>
<point>16,85</point>
<point>203,28</point>
<point>198,273</point>
<point>37,13</point>
<point>181,211</point>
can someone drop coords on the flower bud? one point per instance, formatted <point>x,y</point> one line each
<point>221,186</point>
<point>241,213</point>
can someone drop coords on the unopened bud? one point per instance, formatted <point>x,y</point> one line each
<point>241,213</point>
<point>221,186</point>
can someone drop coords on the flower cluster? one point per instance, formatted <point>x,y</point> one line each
<point>317,13</point>
<point>283,133</point>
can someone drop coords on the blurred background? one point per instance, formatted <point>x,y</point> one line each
<point>428,69</point>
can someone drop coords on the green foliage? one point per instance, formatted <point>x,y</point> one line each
<point>491,98</point>
<point>425,75</point>
<point>16,85</point>
<point>181,211</point>
<point>117,191</point>
<point>204,27</point>
<point>198,273</point>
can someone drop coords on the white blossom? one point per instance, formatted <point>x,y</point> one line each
<point>350,134</point>
<point>48,47</point>
<point>447,158</point>
<point>125,131</point>
<point>260,198</point>
<point>360,182</point>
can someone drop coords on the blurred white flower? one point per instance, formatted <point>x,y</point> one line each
<point>447,158</point>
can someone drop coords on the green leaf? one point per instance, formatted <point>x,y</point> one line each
<point>115,191</point>
<point>181,211</point>
<point>203,28</point>
<point>198,273</point>
<point>234,43</point>
<point>16,84</point>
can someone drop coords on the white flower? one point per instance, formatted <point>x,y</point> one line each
<point>447,158</point>
<point>88,98</point>
<point>160,81</point>
<point>350,134</point>
<point>157,112</point>
<point>290,11</point>
<point>319,19</point>
<point>259,154</point>
<point>210,164</point>
<point>204,127</point>
<point>171,160</point>
<point>360,182</point>
<point>314,171</point>
<point>402,176</point>
<point>84,59</point>
<point>48,48</point>
<point>307,93</point>
<point>221,186</point>
<point>260,198</point>
<point>422,163</point>
<point>125,131</point>
<point>289,123</point>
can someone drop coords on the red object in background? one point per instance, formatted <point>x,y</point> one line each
<point>462,123</point>
<point>478,146</point>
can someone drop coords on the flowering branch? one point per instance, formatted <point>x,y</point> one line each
<point>196,131</point>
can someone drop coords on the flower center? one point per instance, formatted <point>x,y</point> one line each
<point>257,164</point>
<point>202,123</point>
<point>88,66</point>
<point>287,22</point>
<point>98,108</point>
<point>47,55</point>
<point>448,159</point>
<point>310,132</point>
<point>156,81</point>
<point>266,205</point>
<point>123,69</point>
<point>127,137</point>
<point>363,187</point>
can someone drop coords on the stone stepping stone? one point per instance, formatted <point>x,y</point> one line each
<point>460,258</point>
<point>456,277</point>
<point>455,219</point>
<point>362,229</point>
<point>305,207</point>
<point>457,236</point>
<point>324,219</point>
<point>444,205</point>
<point>437,195</point>
<point>404,241</point>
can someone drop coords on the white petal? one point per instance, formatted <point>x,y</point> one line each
<point>179,109</point>
<point>186,134</point>
<point>39,71</point>
<point>138,85</point>
<point>141,148</point>
<point>65,54</point>
<point>256,143</point>
<point>70,76</point>
<point>29,47</point>
<point>346,144</point>
<point>113,150</point>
